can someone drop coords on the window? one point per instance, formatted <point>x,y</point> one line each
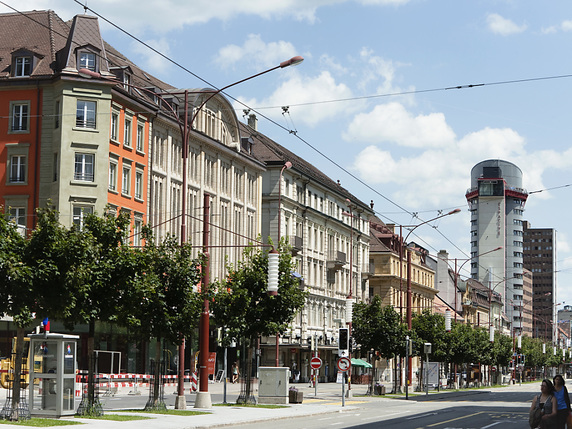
<point>139,185</point>
<point>84,167</point>
<point>57,115</point>
<point>79,215</point>
<point>87,60</point>
<point>17,169</point>
<point>112,176</point>
<point>137,232</point>
<point>140,136</point>
<point>114,126</point>
<point>55,168</point>
<point>23,66</point>
<point>20,117</point>
<point>126,181</point>
<point>18,216</point>
<point>85,115</point>
<point>126,81</point>
<point>127,136</point>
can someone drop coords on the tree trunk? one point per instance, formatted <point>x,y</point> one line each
<point>157,375</point>
<point>14,415</point>
<point>91,365</point>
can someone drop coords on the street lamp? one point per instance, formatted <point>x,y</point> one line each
<point>413,228</point>
<point>203,399</point>
<point>409,371</point>
<point>275,255</point>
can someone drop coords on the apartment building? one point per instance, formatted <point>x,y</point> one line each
<point>328,229</point>
<point>496,201</point>
<point>540,258</point>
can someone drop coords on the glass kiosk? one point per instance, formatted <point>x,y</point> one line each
<point>52,374</point>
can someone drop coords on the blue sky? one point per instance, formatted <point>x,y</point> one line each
<point>416,150</point>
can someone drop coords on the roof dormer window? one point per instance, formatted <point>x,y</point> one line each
<point>87,60</point>
<point>22,66</point>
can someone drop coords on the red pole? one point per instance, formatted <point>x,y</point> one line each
<point>409,304</point>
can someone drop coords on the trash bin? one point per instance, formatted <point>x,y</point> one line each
<point>379,389</point>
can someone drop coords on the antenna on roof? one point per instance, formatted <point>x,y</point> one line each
<point>85,7</point>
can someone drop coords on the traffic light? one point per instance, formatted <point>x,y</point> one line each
<point>343,339</point>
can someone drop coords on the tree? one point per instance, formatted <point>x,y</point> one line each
<point>430,328</point>
<point>241,304</point>
<point>161,300</point>
<point>16,298</point>
<point>378,328</point>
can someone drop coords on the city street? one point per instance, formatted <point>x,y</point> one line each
<point>474,409</point>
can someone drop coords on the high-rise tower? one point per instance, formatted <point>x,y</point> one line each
<point>496,201</point>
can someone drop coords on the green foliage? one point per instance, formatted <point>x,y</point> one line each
<point>15,294</point>
<point>161,299</point>
<point>241,303</point>
<point>378,328</point>
<point>430,328</point>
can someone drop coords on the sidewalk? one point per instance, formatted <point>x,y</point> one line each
<point>328,400</point>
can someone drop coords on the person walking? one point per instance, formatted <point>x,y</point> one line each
<point>545,403</point>
<point>562,400</point>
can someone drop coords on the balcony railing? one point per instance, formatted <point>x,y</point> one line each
<point>336,260</point>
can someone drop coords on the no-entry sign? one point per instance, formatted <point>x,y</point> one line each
<point>316,363</point>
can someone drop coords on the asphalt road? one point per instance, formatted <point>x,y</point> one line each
<point>462,410</point>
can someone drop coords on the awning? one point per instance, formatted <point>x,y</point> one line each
<point>360,362</point>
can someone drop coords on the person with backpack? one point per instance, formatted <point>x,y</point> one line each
<point>542,411</point>
<point>562,400</point>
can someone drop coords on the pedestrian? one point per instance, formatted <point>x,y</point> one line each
<point>235,372</point>
<point>562,400</point>
<point>543,405</point>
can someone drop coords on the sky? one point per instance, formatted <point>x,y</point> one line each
<point>375,103</point>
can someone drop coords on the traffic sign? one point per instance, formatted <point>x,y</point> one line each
<point>493,368</point>
<point>316,363</point>
<point>344,364</point>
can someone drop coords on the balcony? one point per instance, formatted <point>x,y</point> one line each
<point>336,260</point>
<point>297,244</point>
<point>368,270</point>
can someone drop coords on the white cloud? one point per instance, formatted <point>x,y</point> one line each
<point>174,14</point>
<point>255,53</point>
<point>435,174</point>
<point>499,25</point>
<point>566,25</point>
<point>299,90</point>
<point>149,60</point>
<point>393,123</point>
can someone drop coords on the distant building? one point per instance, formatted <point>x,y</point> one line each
<point>389,278</point>
<point>496,202</point>
<point>540,258</point>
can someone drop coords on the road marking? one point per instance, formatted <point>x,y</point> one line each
<point>423,415</point>
<point>491,425</point>
<point>458,418</point>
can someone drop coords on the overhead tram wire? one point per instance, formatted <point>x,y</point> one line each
<point>86,8</point>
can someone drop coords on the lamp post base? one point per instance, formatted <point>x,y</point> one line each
<point>180,402</point>
<point>349,394</point>
<point>203,400</point>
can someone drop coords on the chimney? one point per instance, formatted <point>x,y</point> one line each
<point>252,121</point>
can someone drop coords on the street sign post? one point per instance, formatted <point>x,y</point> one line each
<point>344,364</point>
<point>316,363</point>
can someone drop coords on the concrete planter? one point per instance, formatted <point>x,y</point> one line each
<point>295,397</point>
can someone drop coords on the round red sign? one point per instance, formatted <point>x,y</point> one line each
<point>316,363</point>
